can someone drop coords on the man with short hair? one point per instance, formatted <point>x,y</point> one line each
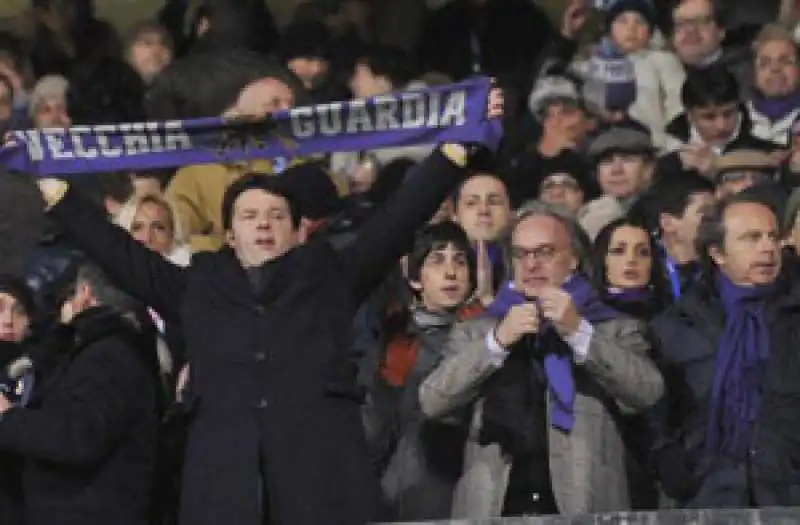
<point>714,122</point>
<point>698,31</point>
<point>197,191</point>
<point>277,435</point>
<point>624,159</point>
<point>88,436</point>
<point>731,346</point>
<point>672,213</point>
<point>482,207</point>
<point>775,104</point>
<point>542,440</point>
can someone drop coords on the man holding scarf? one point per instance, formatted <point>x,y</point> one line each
<point>276,436</point>
<point>733,425</point>
<point>549,366</point>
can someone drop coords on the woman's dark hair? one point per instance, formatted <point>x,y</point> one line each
<point>711,86</point>
<point>602,244</point>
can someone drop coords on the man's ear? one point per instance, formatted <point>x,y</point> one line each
<point>229,238</point>
<point>415,285</point>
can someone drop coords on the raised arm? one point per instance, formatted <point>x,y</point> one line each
<point>389,233</point>
<point>137,270</point>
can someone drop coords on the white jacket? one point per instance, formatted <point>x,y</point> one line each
<point>779,132</point>
<point>659,79</point>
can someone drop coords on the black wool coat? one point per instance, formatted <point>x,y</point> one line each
<point>88,436</point>
<point>277,404</point>
<point>687,334</point>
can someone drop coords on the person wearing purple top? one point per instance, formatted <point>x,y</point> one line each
<point>539,373</point>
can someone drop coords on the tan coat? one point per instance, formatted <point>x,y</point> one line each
<point>588,464</point>
<point>197,191</point>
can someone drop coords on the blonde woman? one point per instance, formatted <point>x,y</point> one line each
<point>152,221</point>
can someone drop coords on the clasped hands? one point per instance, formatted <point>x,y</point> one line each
<point>553,304</point>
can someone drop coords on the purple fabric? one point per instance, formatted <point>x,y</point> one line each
<point>610,79</point>
<point>558,367</point>
<point>631,295</point>
<point>452,113</point>
<point>742,354</point>
<point>777,108</point>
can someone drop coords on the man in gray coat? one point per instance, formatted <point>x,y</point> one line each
<point>541,378</point>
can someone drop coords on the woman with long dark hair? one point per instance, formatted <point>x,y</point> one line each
<point>628,279</point>
<point>625,269</point>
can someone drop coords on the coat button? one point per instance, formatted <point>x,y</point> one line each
<point>262,404</point>
<point>535,496</point>
<point>260,357</point>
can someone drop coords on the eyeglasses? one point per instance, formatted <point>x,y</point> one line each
<point>696,22</point>
<point>755,177</point>
<point>552,183</point>
<point>543,253</point>
<point>764,62</point>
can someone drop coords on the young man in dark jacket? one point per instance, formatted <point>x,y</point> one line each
<point>277,432</point>
<point>88,434</point>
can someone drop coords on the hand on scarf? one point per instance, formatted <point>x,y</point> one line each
<point>521,320</point>
<point>558,306</point>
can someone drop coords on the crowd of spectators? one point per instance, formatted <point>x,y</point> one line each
<point>600,315</point>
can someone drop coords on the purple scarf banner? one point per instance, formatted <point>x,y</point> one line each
<point>451,113</point>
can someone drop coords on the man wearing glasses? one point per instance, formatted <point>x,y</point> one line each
<point>741,169</point>
<point>535,378</point>
<point>775,105</point>
<point>697,34</point>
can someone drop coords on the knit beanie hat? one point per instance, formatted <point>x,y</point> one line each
<point>610,82</point>
<point>643,7</point>
<point>550,89</point>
